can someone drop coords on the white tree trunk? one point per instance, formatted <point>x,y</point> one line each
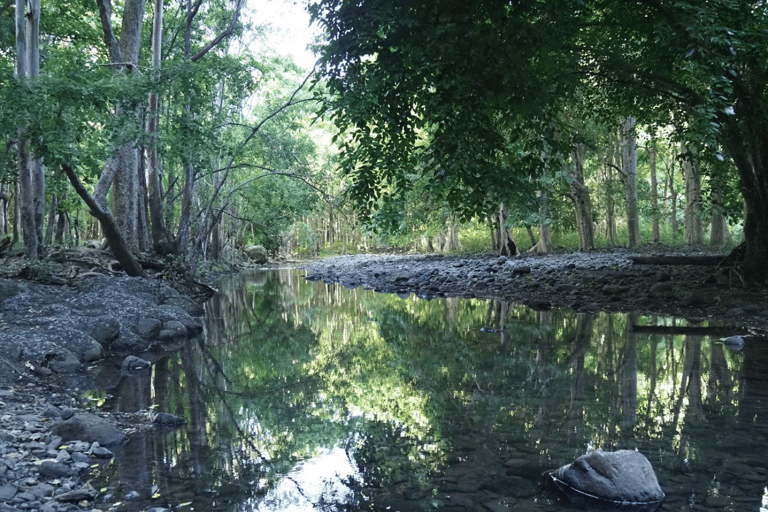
<point>30,169</point>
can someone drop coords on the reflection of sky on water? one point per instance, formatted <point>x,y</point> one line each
<point>310,485</point>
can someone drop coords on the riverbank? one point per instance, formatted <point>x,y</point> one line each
<point>609,281</point>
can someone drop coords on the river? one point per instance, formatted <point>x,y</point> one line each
<point>304,396</point>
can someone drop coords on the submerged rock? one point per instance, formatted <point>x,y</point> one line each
<point>610,481</point>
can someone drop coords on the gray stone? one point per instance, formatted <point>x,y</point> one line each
<point>662,289</point>
<point>621,478</point>
<point>42,490</point>
<point>7,492</point>
<point>53,469</point>
<point>90,427</point>
<point>149,327</point>
<point>100,452</point>
<point>65,362</point>
<point>103,329</point>
<point>133,364</point>
<point>172,329</point>
<point>77,495</point>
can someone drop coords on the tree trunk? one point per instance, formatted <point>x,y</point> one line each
<point>124,55</point>
<point>50,225</point>
<point>507,245</point>
<point>654,192</point>
<point>112,232</point>
<point>629,166</point>
<point>31,197</point>
<point>160,238</point>
<point>746,141</point>
<point>719,228</point>
<point>544,245</point>
<point>582,202</point>
<point>692,222</point>
<point>673,206</point>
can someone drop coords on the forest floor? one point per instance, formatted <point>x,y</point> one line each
<point>609,280</point>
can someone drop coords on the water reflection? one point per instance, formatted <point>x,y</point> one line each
<point>306,396</point>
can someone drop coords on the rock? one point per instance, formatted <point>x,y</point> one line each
<point>256,253</point>
<point>53,469</point>
<point>172,329</point>
<point>624,479</point>
<point>133,364</point>
<point>86,493</point>
<point>64,361</point>
<point>7,492</point>
<point>164,419</point>
<point>104,330</point>
<point>662,289</point>
<point>148,327</point>
<point>734,342</point>
<point>695,298</point>
<point>89,427</point>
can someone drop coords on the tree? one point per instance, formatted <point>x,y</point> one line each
<point>31,176</point>
<point>582,202</point>
<point>489,76</point>
<point>693,225</point>
<point>629,168</point>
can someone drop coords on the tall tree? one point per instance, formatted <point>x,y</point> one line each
<point>124,56</point>
<point>31,178</point>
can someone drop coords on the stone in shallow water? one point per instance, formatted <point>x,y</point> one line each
<point>90,427</point>
<point>621,480</point>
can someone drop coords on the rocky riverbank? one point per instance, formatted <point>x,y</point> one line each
<point>599,281</point>
<point>49,443</point>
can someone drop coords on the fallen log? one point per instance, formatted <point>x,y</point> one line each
<point>678,259</point>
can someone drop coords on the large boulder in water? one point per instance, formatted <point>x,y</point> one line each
<point>610,481</point>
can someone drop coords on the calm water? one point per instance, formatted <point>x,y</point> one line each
<point>305,396</point>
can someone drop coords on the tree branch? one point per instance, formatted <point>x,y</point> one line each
<point>225,34</point>
<point>105,13</point>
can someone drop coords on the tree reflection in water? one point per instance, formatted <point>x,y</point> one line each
<point>434,404</point>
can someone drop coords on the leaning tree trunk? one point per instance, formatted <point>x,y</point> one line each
<point>112,233</point>
<point>629,166</point>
